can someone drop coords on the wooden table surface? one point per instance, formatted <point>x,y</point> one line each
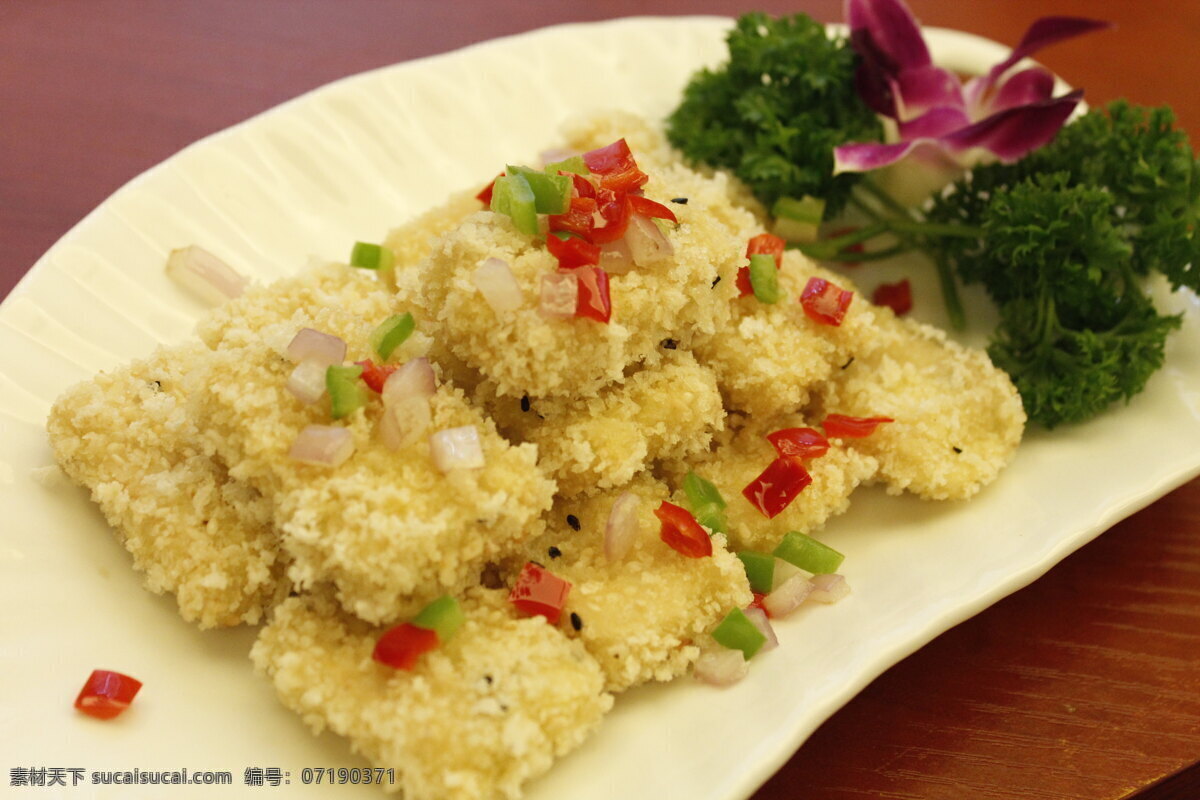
<point>1085,685</point>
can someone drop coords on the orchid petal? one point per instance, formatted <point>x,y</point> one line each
<point>921,89</point>
<point>1042,33</point>
<point>1023,88</point>
<point>888,41</point>
<point>891,31</point>
<point>1015,132</point>
<point>1008,134</point>
<point>934,123</point>
<point>866,156</point>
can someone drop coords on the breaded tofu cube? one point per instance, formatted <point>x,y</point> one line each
<point>127,437</point>
<point>743,453</point>
<point>587,444</point>
<point>414,240</point>
<point>475,719</point>
<point>387,528</point>
<point>320,285</point>
<point>958,419</point>
<point>641,617</point>
<point>524,352</point>
<point>772,356</point>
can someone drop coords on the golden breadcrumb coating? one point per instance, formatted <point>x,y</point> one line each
<point>320,285</point>
<point>587,444</point>
<point>741,457</point>
<point>414,240</point>
<point>387,528</point>
<point>127,437</point>
<point>474,720</point>
<point>772,355</point>
<point>958,419</point>
<point>642,616</point>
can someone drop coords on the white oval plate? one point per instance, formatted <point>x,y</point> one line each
<point>347,162</point>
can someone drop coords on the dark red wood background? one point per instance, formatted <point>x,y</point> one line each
<point>1084,685</point>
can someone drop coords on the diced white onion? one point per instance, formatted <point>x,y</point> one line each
<point>788,596</point>
<point>499,287</point>
<point>646,242</point>
<point>622,527</point>
<point>721,666</point>
<point>404,422</point>
<point>560,294</point>
<point>413,378</point>
<point>307,381</point>
<point>758,618</point>
<point>828,588</point>
<point>784,570</point>
<point>312,345</point>
<point>204,275</point>
<point>322,445</point>
<point>456,448</point>
<point>615,258</point>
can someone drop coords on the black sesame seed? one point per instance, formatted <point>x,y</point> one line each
<point>576,622</point>
<point>525,403</point>
<point>716,280</point>
<point>848,363</point>
<point>681,200</point>
<point>488,678</point>
<point>573,521</point>
<point>956,449</point>
<point>554,552</point>
<point>669,344</point>
<point>490,577</point>
<point>537,563</point>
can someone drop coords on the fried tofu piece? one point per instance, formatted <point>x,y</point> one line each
<point>741,456</point>
<point>475,719</point>
<point>640,617</point>
<point>320,285</point>
<point>771,357</point>
<point>387,529</point>
<point>523,352</point>
<point>588,444</point>
<point>127,437</point>
<point>958,419</point>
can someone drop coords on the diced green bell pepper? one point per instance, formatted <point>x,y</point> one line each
<point>737,632</point>
<point>513,196</point>
<point>764,278</point>
<point>809,554</point>
<point>391,334</point>
<point>551,193</point>
<point>365,255</point>
<point>346,394</point>
<point>443,616</point>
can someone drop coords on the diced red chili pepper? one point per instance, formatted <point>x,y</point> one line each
<point>582,186</point>
<point>615,167</point>
<point>593,301</point>
<point>825,302</point>
<point>401,646</point>
<point>896,296</point>
<point>844,427</point>
<point>777,486</point>
<point>799,443</point>
<point>573,252</point>
<point>615,210</point>
<point>539,592</point>
<point>580,218</point>
<point>681,532</point>
<point>757,602</point>
<point>376,375</point>
<point>763,244</point>
<point>648,208</point>
<point>106,694</point>
<point>485,196</point>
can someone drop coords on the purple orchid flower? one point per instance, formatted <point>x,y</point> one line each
<point>1005,113</point>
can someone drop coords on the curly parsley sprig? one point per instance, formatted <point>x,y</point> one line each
<point>774,112</point>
